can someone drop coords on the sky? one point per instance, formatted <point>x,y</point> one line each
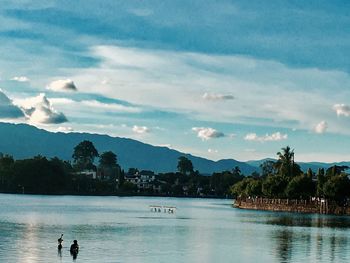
<point>218,79</point>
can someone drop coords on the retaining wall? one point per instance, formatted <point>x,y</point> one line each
<point>320,206</point>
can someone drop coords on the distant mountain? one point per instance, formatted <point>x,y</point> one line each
<point>25,141</point>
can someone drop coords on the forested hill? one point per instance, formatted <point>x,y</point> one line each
<point>25,141</point>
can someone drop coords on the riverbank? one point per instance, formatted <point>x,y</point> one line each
<point>320,206</point>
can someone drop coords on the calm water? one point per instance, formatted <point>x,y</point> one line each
<point>114,229</point>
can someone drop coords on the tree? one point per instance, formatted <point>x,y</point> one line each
<point>274,186</point>
<point>336,170</point>
<point>285,164</point>
<point>39,175</point>
<point>221,182</point>
<point>267,168</point>
<point>184,165</point>
<point>108,159</point>
<point>108,167</point>
<point>6,171</point>
<point>300,186</point>
<point>236,171</point>
<point>84,155</point>
<point>337,188</point>
<point>321,179</point>
<point>309,173</point>
<point>133,171</point>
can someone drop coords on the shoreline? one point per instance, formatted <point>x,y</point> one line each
<point>325,207</point>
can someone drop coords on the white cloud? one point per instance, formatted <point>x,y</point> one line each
<point>20,79</point>
<point>206,133</point>
<point>217,96</point>
<point>62,85</point>
<point>167,145</point>
<point>321,127</point>
<point>277,136</point>
<point>40,111</point>
<point>110,106</point>
<point>212,151</point>
<point>140,129</point>
<point>7,109</point>
<point>149,77</point>
<point>64,129</point>
<point>342,109</point>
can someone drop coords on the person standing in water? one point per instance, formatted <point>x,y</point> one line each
<point>60,241</point>
<point>74,249</point>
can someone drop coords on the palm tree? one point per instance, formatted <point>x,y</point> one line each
<point>285,164</point>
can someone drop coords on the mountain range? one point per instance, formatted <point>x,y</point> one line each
<point>25,141</point>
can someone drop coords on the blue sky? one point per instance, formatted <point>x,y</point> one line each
<point>219,79</point>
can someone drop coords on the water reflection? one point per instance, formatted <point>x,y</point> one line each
<point>295,244</point>
<point>201,231</point>
<point>284,241</point>
<point>309,221</point>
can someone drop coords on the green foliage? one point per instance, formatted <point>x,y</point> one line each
<point>247,187</point>
<point>267,168</point>
<point>6,172</point>
<point>84,155</point>
<point>41,175</point>
<point>108,159</point>
<point>321,179</point>
<point>221,182</point>
<point>274,186</point>
<point>184,165</point>
<point>301,187</point>
<point>285,164</point>
<point>337,187</point>
<point>335,170</point>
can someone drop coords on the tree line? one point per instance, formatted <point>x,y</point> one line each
<point>278,179</point>
<point>284,179</point>
<point>42,175</point>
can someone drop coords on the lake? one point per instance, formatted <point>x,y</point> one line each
<point>124,229</point>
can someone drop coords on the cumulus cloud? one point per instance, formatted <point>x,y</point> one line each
<point>206,133</point>
<point>39,110</point>
<point>20,79</point>
<point>7,109</point>
<point>212,151</point>
<point>321,127</point>
<point>217,96</point>
<point>140,129</point>
<point>277,136</point>
<point>62,85</point>
<point>342,109</point>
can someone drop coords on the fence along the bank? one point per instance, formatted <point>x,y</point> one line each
<point>313,205</point>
